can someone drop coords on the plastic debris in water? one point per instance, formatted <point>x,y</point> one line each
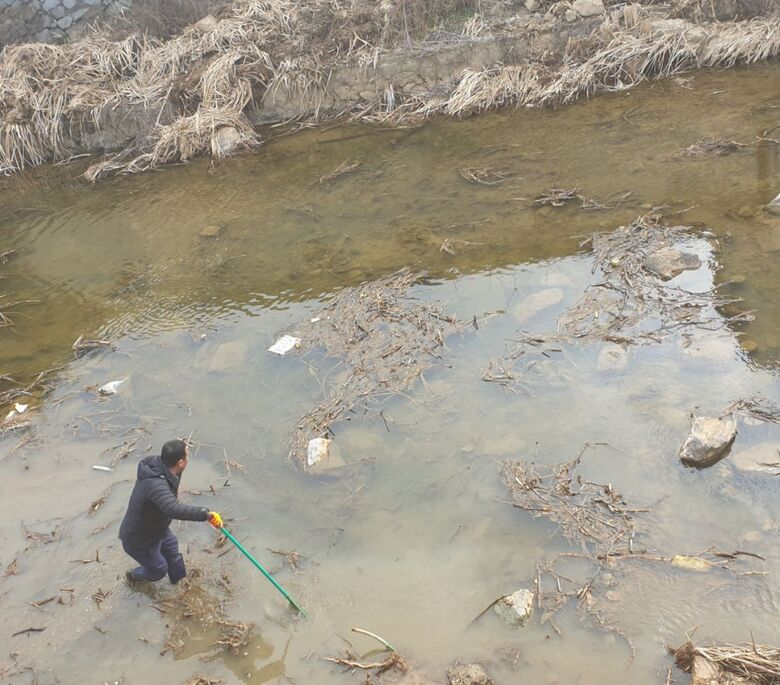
<point>18,409</point>
<point>318,450</point>
<point>284,345</point>
<point>97,467</point>
<point>110,388</point>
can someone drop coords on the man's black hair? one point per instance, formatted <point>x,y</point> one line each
<point>172,452</point>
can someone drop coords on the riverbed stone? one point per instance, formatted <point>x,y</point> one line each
<point>532,5</point>
<point>709,441</point>
<point>516,608</point>
<point>612,357</point>
<point>211,232</point>
<point>536,303</point>
<point>588,8</point>
<point>229,356</point>
<point>207,23</point>
<point>705,672</point>
<point>669,262</point>
<point>761,458</point>
<point>65,22</point>
<point>226,139</point>
<point>468,674</point>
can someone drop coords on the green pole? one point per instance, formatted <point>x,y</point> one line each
<point>260,568</point>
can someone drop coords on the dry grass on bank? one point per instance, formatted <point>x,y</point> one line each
<point>189,95</point>
<point>620,61</point>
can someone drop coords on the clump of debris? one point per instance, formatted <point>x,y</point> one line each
<point>385,339</point>
<point>633,302</point>
<point>729,664</point>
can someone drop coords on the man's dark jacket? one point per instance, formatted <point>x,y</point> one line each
<point>154,504</point>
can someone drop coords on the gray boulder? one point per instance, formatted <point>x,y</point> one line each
<point>669,262</point>
<point>708,442</point>
<point>468,674</point>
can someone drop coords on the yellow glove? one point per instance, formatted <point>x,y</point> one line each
<point>215,519</point>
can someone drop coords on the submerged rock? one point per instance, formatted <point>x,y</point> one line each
<point>774,205</point>
<point>211,232</point>
<point>612,357</point>
<point>516,608</point>
<point>691,563</point>
<point>468,674</point>
<point>708,442</point>
<point>532,5</point>
<point>761,458</point>
<point>229,356</point>
<point>669,262</point>
<point>536,303</point>
<point>588,8</point>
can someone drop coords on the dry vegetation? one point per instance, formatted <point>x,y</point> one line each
<point>759,664</point>
<point>189,94</point>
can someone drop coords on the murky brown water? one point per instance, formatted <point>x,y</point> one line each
<point>416,544</point>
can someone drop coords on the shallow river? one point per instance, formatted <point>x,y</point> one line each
<point>416,537</point>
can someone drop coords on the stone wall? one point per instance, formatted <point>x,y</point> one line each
<point>51,21</point>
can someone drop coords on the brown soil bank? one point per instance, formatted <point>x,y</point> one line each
<point>206,90</point>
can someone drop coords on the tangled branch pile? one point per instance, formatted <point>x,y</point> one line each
<point>635,260</point>
<point>385,339</point>
<point>757,664</point>
<point>592,514</point>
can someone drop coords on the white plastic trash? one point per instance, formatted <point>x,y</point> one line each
<point>284,345</point>
<point>110,388</point>
<point>318,450</point>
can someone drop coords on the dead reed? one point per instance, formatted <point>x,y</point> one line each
<point>190,95</point>
<point>760,664</point>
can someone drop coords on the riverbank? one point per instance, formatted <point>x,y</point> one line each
<point>255,70</point>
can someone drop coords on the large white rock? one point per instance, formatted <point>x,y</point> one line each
<point>708,442</point>
<point>774,205</point>
<point>761,458</point>
<point>516,608</point>
<point>588,8</point>
<point>536,303</point>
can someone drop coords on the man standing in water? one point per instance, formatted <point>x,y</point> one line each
<point>145,531</point>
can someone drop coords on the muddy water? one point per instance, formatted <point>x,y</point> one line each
<point>415,538</point>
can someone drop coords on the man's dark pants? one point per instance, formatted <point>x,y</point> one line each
<point>158,559</point>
